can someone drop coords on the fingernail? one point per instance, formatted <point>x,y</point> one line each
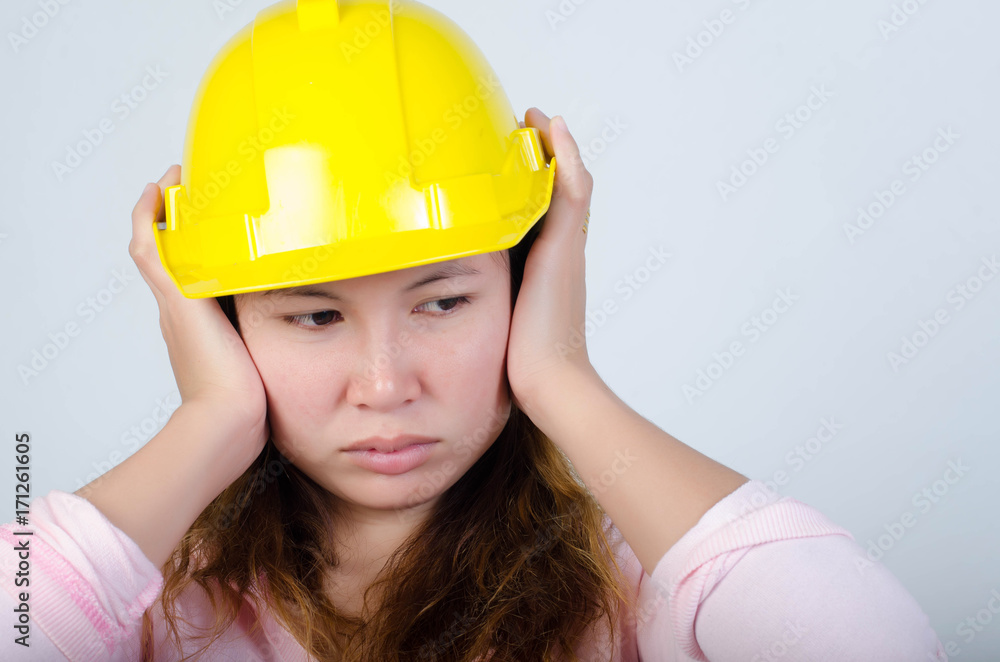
<point>561,122</point>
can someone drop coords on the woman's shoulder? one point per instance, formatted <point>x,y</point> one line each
<point>94,583</point>
<point>666,598</point>
<point>252,635</point>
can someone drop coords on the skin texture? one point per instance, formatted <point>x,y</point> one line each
<point>384,362</point>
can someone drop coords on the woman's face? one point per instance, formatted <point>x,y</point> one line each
<point>385,356</point>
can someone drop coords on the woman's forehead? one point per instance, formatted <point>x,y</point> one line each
<point>406,279</point>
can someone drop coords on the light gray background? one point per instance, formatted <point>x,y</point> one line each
<point>681,129</point>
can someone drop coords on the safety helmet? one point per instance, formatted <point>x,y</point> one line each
<point>334,139</point>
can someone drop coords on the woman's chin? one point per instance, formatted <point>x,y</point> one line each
<point>407,501</point>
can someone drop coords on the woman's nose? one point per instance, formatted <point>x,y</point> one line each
<point>385,375</point>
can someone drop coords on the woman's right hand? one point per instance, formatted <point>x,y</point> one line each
<point>210,362</point>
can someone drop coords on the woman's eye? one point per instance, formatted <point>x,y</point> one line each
<point>325,318</point>
<point>450,304</point>
<point>301,320</point>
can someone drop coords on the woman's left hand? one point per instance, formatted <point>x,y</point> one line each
<point>547,341</point>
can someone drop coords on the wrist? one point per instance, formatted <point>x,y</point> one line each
<point>156,493</point>
<point>569,386</point>
<point>218,445</point>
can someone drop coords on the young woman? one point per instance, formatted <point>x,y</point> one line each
<point>423,464</point>
<point>249,519</point>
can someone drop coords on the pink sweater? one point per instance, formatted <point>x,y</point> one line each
<point>759,578</point>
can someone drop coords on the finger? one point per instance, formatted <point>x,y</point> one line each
<point>539,120</point>
<point>574,184</point>
<point>145,210</point>
<point>172,177</point>
<point>572,176</point>
<point>149,209</point>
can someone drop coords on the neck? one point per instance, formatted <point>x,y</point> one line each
<point>365,538</point>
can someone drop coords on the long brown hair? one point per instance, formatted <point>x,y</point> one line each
<point>515,562</point>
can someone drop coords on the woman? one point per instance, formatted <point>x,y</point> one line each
<point>389,467</point>
<point>685,519</point>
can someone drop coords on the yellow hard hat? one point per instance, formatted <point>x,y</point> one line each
<point>331,140</point>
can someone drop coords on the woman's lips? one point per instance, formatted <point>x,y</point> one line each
<point>395,462</point>
<point>384,445</point>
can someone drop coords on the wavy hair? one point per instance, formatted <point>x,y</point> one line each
<point>514,563</point>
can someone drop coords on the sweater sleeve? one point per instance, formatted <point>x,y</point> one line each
<point>765,577</point>
<point>87,583</point>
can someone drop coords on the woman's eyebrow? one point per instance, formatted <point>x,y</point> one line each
<point>451,270</point>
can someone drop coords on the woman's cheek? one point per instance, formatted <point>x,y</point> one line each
<point>463,451</point>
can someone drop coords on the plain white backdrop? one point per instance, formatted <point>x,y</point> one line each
<point>851,359</point>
